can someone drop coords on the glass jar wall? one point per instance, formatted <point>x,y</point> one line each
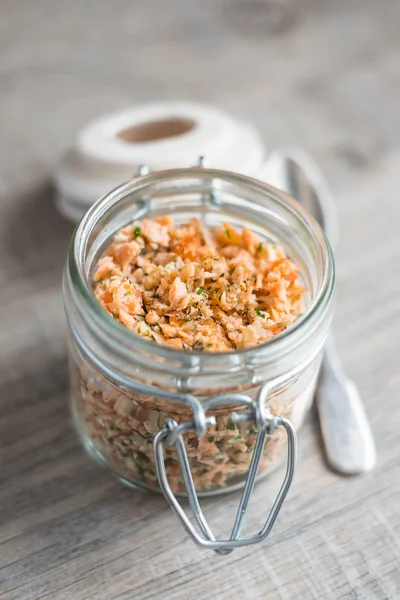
<point>124,386</point>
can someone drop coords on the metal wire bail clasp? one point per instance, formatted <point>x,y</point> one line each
<point>267,423</point>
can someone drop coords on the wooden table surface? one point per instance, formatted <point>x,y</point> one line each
<point>324,75</point>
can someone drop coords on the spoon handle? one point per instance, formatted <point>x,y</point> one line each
<point>347,436</point>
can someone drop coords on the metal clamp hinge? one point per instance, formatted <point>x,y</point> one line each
<point>172,433</point>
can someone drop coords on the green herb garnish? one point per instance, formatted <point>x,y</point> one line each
<point>228,233</point>
<point>231,425</point>
<point>132,412</point>
<point>143,251</point>
<point>211,439</point>
<point>259,313</point>
<point>201,291</point>
<point>139,466</point>
<point>259,247</point>
<point>127,293</point>
<point>136,232</point>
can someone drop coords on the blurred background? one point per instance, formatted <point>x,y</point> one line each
<point>322,75</point>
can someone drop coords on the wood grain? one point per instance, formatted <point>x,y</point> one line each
<point>322,75</point>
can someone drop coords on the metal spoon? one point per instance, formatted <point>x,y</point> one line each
<point>347,436</point>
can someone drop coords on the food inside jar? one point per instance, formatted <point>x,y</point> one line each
<point>190,288</point>
<point>195,288</point>
<point>121,425</point>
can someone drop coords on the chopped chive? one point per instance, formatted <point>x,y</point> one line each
<point>259,247</point>
<point>211,439</point>
<point>132,412</point>
<point>125,454</point>
<point>139,466</point>
<point>143,251</point>
<point>110,440</point>
<point>141,434</point>
<point>136,232</point>
<point>231,425</point>
<point>141,315</point>
<point>209,344</point>
<point>259,313</point>
<point>138,330</point>
<point>237,437</point>
<point>237,451</point>
<point>220,296</point>
<point>228,233</point>
<point>186,320</point>
<point>216,290</point>
<point>199,291</point>
<point>127,293</point>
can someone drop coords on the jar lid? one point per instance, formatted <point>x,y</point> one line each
<point>110,150</point>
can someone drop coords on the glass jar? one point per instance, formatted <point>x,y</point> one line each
<point>124,387</point>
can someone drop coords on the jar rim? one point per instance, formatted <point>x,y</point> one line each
<point>123,336</point>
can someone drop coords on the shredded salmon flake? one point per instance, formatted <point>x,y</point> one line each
<point>194,288</point>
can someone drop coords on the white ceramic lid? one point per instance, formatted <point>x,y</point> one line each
<point>109,150</point>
